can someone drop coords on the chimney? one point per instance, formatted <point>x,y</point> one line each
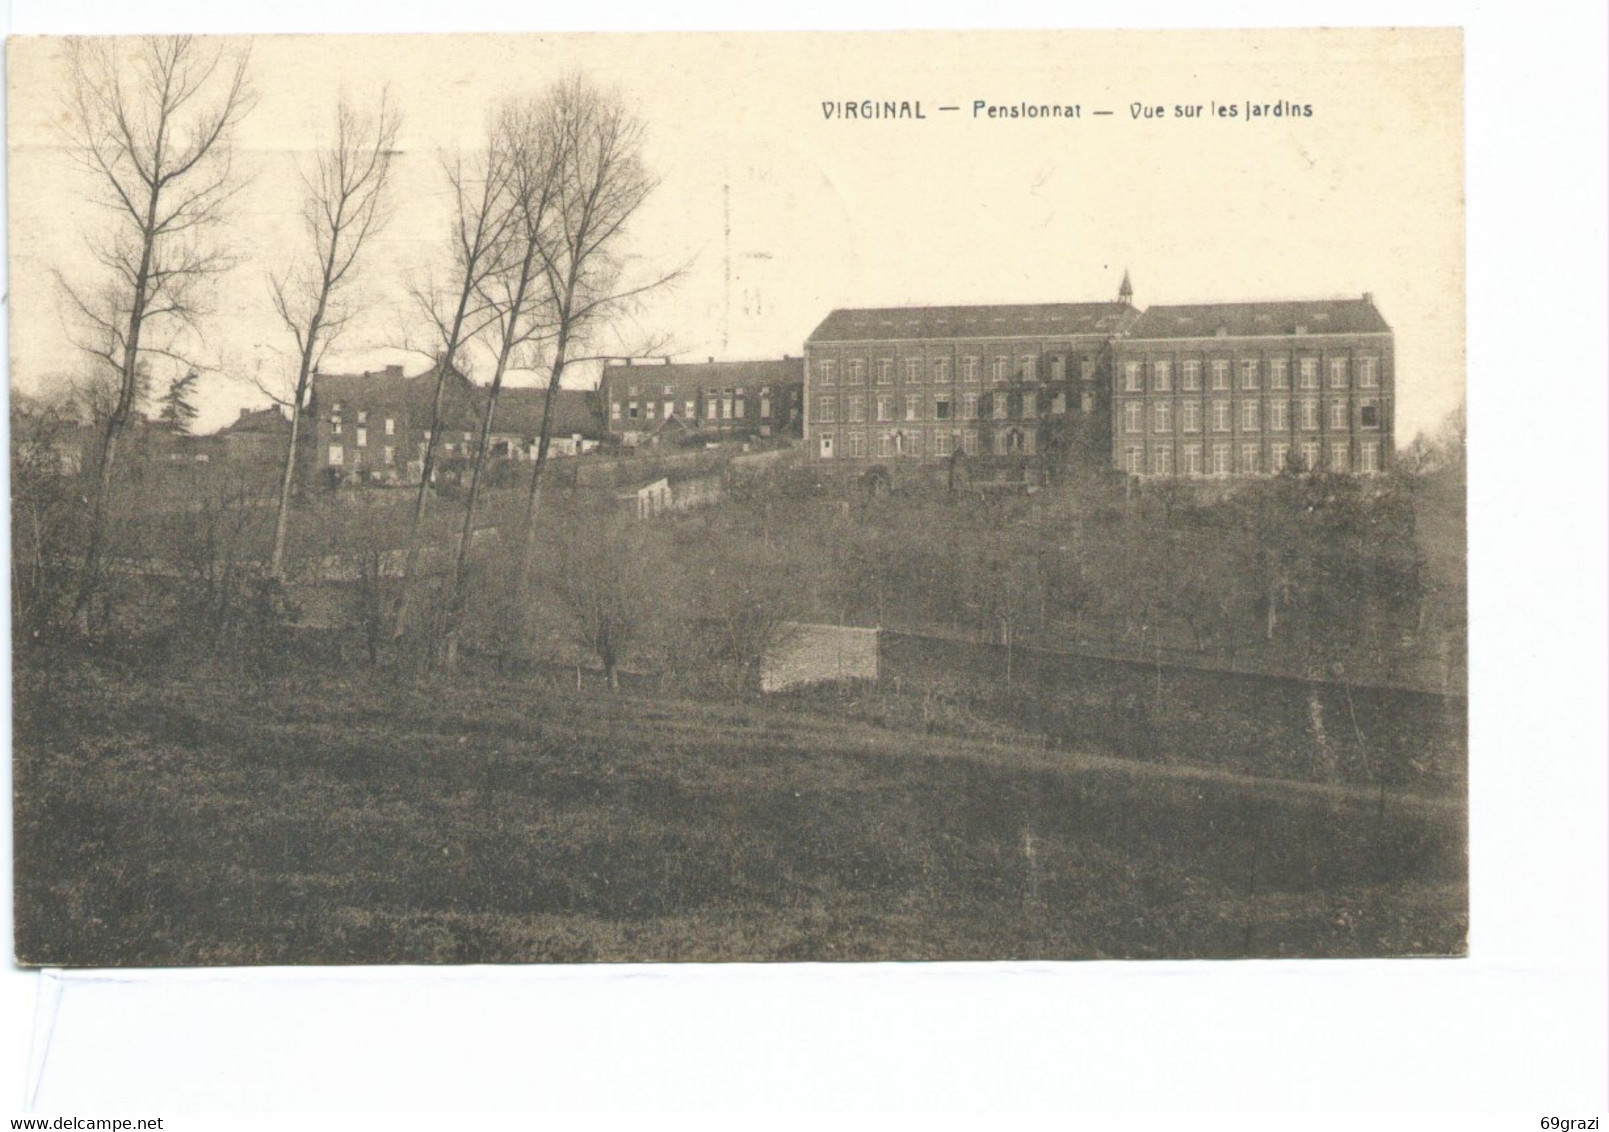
<point>628,363</point>
<point>712,359</point>
<point>787,357</point>
<point>666,360</point>
<point>1368,297</point>
<point>243,411</point>
<point>393,371</point>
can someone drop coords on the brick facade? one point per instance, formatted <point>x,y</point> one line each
<point>1236,389</point>
<point>752,398</point>
<point>918,383</point>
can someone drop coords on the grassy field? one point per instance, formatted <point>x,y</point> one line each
<point>345,818</point>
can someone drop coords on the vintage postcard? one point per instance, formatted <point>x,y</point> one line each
<point>752,497</point>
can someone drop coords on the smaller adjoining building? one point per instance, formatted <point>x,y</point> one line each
<point>669,401</point>
<point>372,428</point>
<point>256,438</point>
<point>1247,389</point>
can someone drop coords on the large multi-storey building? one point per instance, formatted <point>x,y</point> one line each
<point>1249,389</point>
<point>757,398</point>
<point>924,382</point>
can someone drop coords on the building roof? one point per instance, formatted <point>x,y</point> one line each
<point>689,376</point>
<point>1240,320</point>
<point>519,411</point>
<point>255,421</point>
<point>1024,320</point>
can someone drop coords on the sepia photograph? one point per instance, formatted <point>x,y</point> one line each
<point>763,497</point>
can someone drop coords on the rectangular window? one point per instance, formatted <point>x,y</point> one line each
<point>1190,416</point>
<point>969,441</point>
<point>1002,368</point>
<point>1220,459</point>
<point>941,369</point>
<point>363,416</point>
<point>826,372</point>
<point>1248,416</point>
<point>1279,373</point>
<point>826,410</point>
<point>1133,416</point>
<point>969,406</point>
<point>1368,373</point>
<point>1058,403</point>
<point>857,407</point>
<point>1278,457</point>
<point>1220,375</point>
<point>1135,460</point>
<point>1338,416</point>
<point>857,372</point>
<point>855,444</point>
<point>1248,459</point>
<point>1131,377</point>
<point>390,455</point>
<point>1309,414</point>
<point>1309,372</point>
<point>885,444</point>
<point>632,411</point>
<point>1192,460</point>
<point>1338,457</point>
<point>390,426</point>
<point>670,409</point>
<point>1310,456</point>
<point>1028,367</point>
<point>363,438</point>
<point>913,369</point>
<point>1279,416</point>
<point>885,406</point>
<point>712,408</point>
<point>614,410</point>
<point>885,371</point>
<point>337,455</point>
<point>1220,416</point>
<point>726,408</point>
<point>1337,373</point>
<point>999,406</point>
<point>737,407</point>
<point>969,369</point>
<point>1086,369</point>
<point>1058,368</point>
<point>913,406</point>
<point>648,410</point>
<point>1030,404</point>
<point>941,407</point>
<point>1369,414</point>
<point>688,411</point>
<point>1162,377</point>
<point>335,425</point>
<point>1162,462</point>
<point>943,442</point>
<point>1162,416</point>
<point>1369,456</point>
<point>1192,376</point>
<point>1248,374</point>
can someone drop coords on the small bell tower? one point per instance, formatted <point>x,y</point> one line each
<point>1125,291</point>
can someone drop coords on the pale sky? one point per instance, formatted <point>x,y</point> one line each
<point>1367,194</point>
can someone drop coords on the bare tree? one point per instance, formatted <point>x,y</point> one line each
<point>600,182</point>
<point>457,312</point>
<point>345,204</point>
<point>512,296</point>
<point>153,129</point>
